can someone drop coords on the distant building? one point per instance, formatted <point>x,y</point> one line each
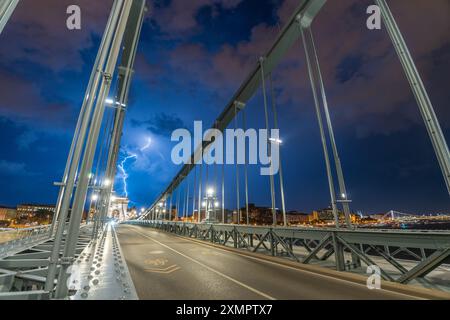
<point>326,215</point>
<point>8,213</point>
<point>26,211</point>
<point>230,216</point>
<point>259,215</point>
<point>118,208</point>
<point>355,218</point>
<point>295,217</point>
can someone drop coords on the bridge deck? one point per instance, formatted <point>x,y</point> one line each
<point>167,267</point>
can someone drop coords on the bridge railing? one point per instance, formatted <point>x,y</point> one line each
<point>401,255</point>
<point>22,237</point>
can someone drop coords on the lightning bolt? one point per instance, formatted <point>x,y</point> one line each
<point>125,174</point>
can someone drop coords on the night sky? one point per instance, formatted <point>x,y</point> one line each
<point>192,57</point>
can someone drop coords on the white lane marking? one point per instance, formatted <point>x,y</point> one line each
<point>156,252</point>
<point>209,268</point>
<point>300,270</point>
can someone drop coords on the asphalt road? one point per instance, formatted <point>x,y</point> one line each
<point>166,267</point>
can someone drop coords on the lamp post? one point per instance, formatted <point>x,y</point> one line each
<point>279,142</point>
<point>210,204</point>
<point>160,210</point>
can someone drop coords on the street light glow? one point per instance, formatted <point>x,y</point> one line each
<point>94,197</point>
<point>277,141</point>
<point>107,183</point>
<point>109,101</point>
<point>210,192</point>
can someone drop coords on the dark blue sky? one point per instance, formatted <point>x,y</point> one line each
<point>193,55</point>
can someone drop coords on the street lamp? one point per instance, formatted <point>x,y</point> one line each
<point>276,141</point>
<point>210,204</point>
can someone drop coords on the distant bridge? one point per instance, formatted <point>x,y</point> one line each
<point>395,215</point>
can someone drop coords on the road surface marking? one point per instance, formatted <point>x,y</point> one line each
<point>156,262</point>
<point>167,270</point>
<point>156,252</point>
<point>299,270</point>
<point>209,268</point>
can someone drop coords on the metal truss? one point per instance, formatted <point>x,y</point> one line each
<point>399,249</point>
<point>23,273</point>
<point>15,241</point>
<point>6,10</point>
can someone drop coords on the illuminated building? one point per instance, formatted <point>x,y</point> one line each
<point>25,211</point>
<point>118,208</point>
<point>7,213</point>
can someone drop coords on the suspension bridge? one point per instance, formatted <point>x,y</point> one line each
<point>188,244</point>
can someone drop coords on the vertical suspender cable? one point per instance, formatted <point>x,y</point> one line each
<point>200,191</point>
<point>238,202</point>
<point>187,197</point>
<point>216,187</point>
<point>194,199</point>
<point>276,126</point>
<point>170,206</point>
<point>223,187</point>
<point>178,203</point>
<point>266,113</point>
<point>244,120</point>
<point>322,132</point>
<point>340,174</point>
